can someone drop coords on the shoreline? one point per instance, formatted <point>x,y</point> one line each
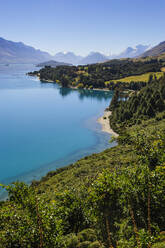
<point>95,89</point>
<point>105,124</point>
<point>70,87</point>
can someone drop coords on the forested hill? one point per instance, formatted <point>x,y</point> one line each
<point>147,103</point>
<point>102,75</point>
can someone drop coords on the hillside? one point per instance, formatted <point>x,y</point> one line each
<point>155,51</point>
<point>112,199</point>
<point>18,52</point>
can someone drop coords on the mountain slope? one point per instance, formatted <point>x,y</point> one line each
<point>18,52</point>
<point>155,51</point>
<point>93,58</point>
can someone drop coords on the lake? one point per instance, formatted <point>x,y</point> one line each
<point>44,126</point>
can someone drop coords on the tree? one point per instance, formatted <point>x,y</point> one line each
<point>64,81</point>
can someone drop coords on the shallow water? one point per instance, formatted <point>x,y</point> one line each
<point>43,126</point>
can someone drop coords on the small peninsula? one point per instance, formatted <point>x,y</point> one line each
<point>128,74</point>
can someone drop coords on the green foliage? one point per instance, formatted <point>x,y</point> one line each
<point>161,241</point>
<point>122,197</point>
<point>87,234</point>
<point>70,208</point>
<point>27,221</point>
<point>84,244</point>
<point>71,241</point>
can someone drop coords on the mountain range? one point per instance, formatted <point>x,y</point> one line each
<point>96,57</point>
<point>18,52</point>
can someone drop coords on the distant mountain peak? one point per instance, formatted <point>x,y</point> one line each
<point>67,57</point>
<point>131,52</point>
<point>93,58</point>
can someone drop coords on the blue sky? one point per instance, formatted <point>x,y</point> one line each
<point>81,26</point>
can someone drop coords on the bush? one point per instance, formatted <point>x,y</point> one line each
<point>71,241</point>
<point>85,244</point>
<point>87,234</point>
<point>95,244</point>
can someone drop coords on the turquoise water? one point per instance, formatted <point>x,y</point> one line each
<point>43,126</point>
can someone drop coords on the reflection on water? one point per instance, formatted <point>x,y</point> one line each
<point>84,93</point>
<point>65,92</point>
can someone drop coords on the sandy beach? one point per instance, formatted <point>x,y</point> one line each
<point>104,121</point>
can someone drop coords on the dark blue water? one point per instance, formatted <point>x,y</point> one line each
<point>43,126</point>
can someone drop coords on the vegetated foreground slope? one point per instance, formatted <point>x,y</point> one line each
<point>112,199</point>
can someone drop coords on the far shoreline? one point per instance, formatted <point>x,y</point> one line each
<point>70,87</point>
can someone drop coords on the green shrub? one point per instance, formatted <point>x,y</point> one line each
<point>95,244</point>
<point>71,241</point>
<point>85,244</point>
<point>87,234</point>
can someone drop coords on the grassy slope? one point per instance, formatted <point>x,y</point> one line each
<point>140,78</point>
